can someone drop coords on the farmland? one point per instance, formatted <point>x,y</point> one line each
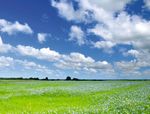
<point>74,97</point>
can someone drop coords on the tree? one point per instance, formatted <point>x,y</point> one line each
<point>75,79</point>
<point>68,78</point>
<point>46,78</point>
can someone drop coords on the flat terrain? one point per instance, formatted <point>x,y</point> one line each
<point>74,97</point>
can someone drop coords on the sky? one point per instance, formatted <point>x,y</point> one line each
<point>86,39</point>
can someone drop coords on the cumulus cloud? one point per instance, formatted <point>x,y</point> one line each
<point>129,66</point>
<point>99,30</point>
<point>31,65</point>
<point>147,4</point>
<point>120,29</point>
<point>43,53</point>
<point>13,28</point>
<point>64,9</point>
<point>4,48</point>
<point>112,30</point>
<point>6,61</point>
<point>141,60</point>
<point>132,52</point>
<point>125,29</point>
<point>117,5</point>
<point>74,60</point>
<point>76,34</point>
<point>78,61</point>
<point>42,37</point>
<point>67,11</point>
<point>9,62</point>
<point>77,57</point>
<point>86,7</point>
<point>104,44</point>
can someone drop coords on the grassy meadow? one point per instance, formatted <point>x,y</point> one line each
<point>74,97</point>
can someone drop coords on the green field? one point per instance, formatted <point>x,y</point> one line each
<point>74,97</point>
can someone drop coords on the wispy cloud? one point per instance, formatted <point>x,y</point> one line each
<point>76,34</point>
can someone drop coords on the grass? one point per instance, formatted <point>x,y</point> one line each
<point>74,97</point>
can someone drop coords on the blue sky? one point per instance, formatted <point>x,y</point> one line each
<point>105,39</point>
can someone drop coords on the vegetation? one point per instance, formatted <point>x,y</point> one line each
<point>74,97</point>
<point>68,78</point>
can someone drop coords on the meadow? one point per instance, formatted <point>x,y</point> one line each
<point>74,97</point>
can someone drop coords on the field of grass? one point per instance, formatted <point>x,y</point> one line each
<point>74,97</point>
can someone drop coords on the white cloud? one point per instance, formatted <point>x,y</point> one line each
<point>9,62</point>
<point>13,28</point>
<point>82,14</point>
<point>129,66</point>
<point>117,5</point>
<point>141,61</point>
<point>74,61</point>
<point>43,53</point>
<point>77,57</point>
<point>99,30</point>
<point>76,34</point>
<point>31,65</point>
<point>42,37</point>
<point>67,11</point>
<point>132,52</point>
<point>4,48</point>
<point>104,44</point>
<point>6,61</point>
<point>78,61</point>
<point>122,29</point>
<point>147,3</point>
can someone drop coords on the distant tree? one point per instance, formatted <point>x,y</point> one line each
<point>36,78</point>
<point>68,78</point>
<point>30,78</point>
<point>33,78</point>
<point>75,79</point>
<point>46,78</point>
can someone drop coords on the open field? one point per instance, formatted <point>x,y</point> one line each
<point>74,97</point>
